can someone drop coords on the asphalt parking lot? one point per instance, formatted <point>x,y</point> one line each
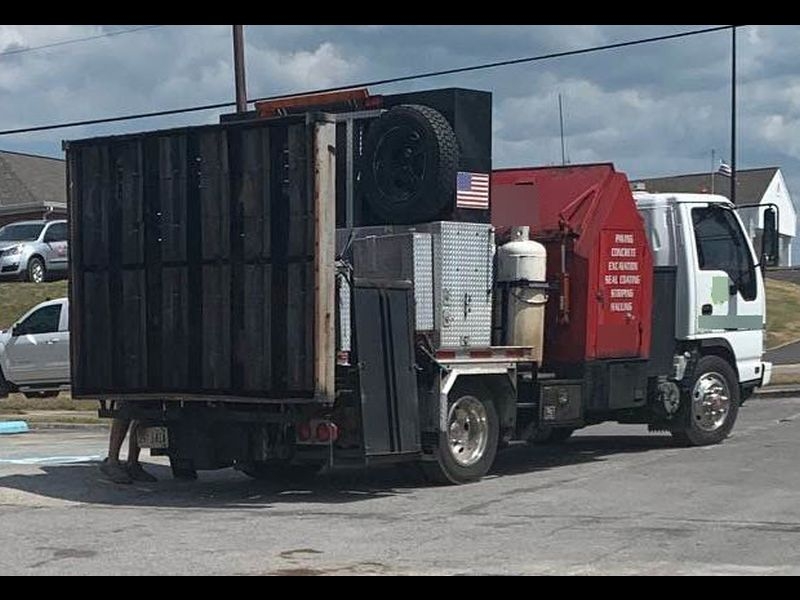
<point>614,500</point>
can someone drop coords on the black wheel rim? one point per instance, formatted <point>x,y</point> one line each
<point>399,163</point>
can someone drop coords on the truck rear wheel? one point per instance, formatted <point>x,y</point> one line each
<point>466,451</point>
<point>709,410</point>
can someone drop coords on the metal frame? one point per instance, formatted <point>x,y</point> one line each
<point>478,367</point>
<point>349,120</point>
<point>204,398</point>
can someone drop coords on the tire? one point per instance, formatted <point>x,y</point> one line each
<point>36,270</point>
<point>710,406</point>
<point>183,468</point>
<point>5,388</point>
<point>471,415</point>
<point>554,435</point>
<point>409,166</point>
<point>280,471</point>
<point>45,394</point>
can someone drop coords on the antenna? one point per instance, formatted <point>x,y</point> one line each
<point>561,122</point>
<point>713,169</point>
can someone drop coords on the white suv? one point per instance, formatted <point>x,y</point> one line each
<point>34,352</point>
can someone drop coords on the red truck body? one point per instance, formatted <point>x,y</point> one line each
<point>605,275</point>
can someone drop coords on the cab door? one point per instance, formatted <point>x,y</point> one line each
<point>729,291</point>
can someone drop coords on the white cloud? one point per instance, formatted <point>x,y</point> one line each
<point>653,109</point>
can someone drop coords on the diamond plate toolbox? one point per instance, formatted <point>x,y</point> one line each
<point>463,260</point>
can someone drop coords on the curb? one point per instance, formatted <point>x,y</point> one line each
<point>783,345</point>
<point>57,425</point>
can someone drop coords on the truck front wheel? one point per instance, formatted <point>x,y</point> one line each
<point>709,408</point>
<point>466,451</point>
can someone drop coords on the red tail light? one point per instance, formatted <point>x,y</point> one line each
<point>327,432</point>
<point>323,432</point>
<point>304,432</point>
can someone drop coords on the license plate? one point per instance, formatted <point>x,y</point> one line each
<point>152,437</point>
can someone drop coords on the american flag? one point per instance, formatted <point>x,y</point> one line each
<point>472,190</point>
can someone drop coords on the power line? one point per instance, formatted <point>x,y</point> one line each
<point>483,66</point>
<point>158,113</point>
<point>514,61</point>
<point>76,40</point>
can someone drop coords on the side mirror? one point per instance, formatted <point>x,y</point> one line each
<point>15,331</point>
<point>769,239</point>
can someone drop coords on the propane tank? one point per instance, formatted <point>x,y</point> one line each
<point>521,278</point>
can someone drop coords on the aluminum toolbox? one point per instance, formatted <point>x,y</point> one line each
<point>451,266</point>
<point>463,262</point>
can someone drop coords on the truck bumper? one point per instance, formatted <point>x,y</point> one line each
<point>766,373</point>
<point>10,267</point>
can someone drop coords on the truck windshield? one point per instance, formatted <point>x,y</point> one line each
<point>20,233</point>
<point>721,246</point>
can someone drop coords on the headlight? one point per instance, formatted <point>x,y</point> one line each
<point>12,251</point>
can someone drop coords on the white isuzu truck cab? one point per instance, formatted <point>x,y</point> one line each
<point>721,299</point>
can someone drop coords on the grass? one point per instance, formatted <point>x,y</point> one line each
<point>69,419</point>
<point>17,297</point>
<point>783,312</point>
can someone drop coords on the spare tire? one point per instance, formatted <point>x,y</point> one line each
<point>410,164</point>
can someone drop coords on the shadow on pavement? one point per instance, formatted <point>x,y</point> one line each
<point>226,488</point>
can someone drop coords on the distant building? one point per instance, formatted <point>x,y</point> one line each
<point>753,186</point>
<point>31,187</point>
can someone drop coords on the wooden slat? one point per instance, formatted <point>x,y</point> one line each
<point>324,258</point>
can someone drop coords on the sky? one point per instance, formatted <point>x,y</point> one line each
<point>653,110</point>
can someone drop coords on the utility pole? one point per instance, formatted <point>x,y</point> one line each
<point>561,121</point>
<point>238,69</point>
<point>733,115</point>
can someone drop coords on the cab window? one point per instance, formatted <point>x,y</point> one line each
<point>44,320</point>
<point>721,246</point>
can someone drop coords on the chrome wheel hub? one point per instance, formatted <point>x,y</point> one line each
<point>37,273</point>
<point>711,401</point>
<point>467,431</point>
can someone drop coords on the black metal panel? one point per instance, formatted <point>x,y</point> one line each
<point>614,384</point>
<point>384,347</point>
<point>662,342</point>
<point>560,401</point>
<point>627,384</point>
<point>192,258</point>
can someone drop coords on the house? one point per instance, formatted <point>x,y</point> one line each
<point>31,187</point>
<point>753,187</point>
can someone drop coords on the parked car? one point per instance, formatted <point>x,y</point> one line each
<point>34,352</point>
<point>33,250</point>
